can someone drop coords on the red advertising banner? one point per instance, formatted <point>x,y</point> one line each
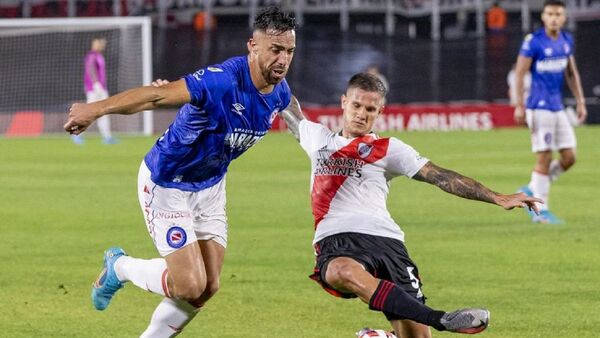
<point>435,117</point>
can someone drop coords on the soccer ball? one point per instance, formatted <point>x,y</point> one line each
<point>371,333</point>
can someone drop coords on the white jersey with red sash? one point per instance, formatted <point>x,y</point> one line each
<point>350,180</point>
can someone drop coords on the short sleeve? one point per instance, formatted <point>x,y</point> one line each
<point>312,134</point>
<point>528,47</point>
<point>403,159</point>
<point>208,85</point>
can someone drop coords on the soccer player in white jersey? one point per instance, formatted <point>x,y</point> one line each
<point>548,54</point>
<point>359,248</point>
<point>225,109</point>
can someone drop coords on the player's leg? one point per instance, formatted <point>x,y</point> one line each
<point>213,254</point>
<point>562,164</point>
<point>566,143</point>
<point>543,128</point>
<point>540,179</point>
<point>104,128</point>
<point>346,275</point>
<point>410,329</point>
<point>210,228</point>
<point>104,121</point>
<point>171,316</point>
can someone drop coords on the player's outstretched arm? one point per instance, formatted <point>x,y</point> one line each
<point>292,115</point>
<point>131,101</point>
<point>459,185</point>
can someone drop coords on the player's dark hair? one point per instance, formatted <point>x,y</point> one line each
<point>554,3</point>
<point>367,82</point>
<point>274,19</point>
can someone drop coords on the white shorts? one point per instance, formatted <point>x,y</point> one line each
<point>550,130</point>
<point>175,218</point>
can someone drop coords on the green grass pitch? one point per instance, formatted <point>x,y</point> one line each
<point>61,205</point>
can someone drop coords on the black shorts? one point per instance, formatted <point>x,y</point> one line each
<point>383,257</point>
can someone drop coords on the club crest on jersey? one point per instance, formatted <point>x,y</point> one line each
<point>176,237</point>
<point>548,51</point>
<point>364,150</point>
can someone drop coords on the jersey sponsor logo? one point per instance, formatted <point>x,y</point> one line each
<point>214,69</point>
<point>170,214</point>
<point>340,166</point>
<point>243,139</point>
<point>364,150</point>
<point>555,65</point>
<point>176,237</point>
<point>237,108</point>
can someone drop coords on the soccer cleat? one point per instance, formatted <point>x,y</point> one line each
<point>468,321</point>
<point>547,217</point>
<point>77,139</point>
<point>525,189</point>
<point>110,140</point>
<point>107,284</point>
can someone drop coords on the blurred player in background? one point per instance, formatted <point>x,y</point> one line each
<point>94,82</point>
<point>548,54</point>
<point>359,248</point>
<point>227,108</point>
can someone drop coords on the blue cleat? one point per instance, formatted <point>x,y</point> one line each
<point>525,189</point>
<point>110,140</point>
<point>77,139</point>
<point>547,217</point>
<point>107,284</point>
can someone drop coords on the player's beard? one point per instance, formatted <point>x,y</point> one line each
<point>270,78</point>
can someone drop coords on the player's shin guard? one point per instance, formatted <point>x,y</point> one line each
<point>391,299</point>
<point>169,318</point>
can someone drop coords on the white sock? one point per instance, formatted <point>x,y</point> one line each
<point>169,318</point>
<point>148,274</point>
<point>540,186</point>
<point>104,127</point>
<point>555,170</point>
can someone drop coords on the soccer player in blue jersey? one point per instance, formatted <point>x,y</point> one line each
<point>548,54</point>
<point>227,108</point>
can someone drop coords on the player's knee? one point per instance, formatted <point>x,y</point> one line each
<point>567,161</point>
<point>340,274</point>
<point>189,291</point>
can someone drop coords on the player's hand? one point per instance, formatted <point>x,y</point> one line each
<point>519,200</point>
<point>581,112</point>
<point>81,115</point>
<point>159,82</point>
<point>519,115</point>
